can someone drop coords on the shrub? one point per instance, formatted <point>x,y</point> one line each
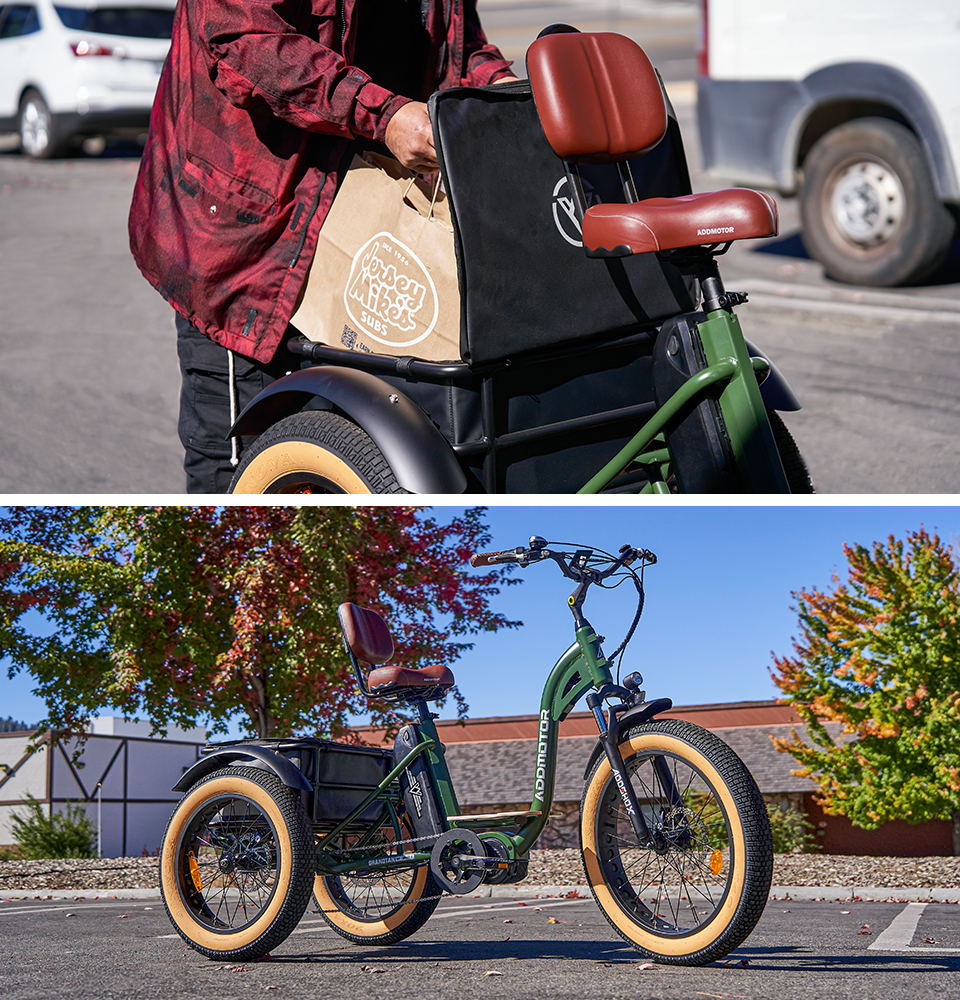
<point>792,831</point>
<point>70,834</point>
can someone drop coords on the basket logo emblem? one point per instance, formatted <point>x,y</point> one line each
<point>416,792</point>
<point>565,212</point>
<point>389,294</point>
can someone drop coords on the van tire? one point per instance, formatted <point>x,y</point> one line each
<point>869,208</point>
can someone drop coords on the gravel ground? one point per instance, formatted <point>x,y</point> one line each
<point>559,867</point>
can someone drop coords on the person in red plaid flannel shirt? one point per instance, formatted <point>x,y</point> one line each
<point>257,113</point>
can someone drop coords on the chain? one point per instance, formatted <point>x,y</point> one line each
<point>409,840</point>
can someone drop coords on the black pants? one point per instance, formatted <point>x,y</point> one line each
<point>205,404</point>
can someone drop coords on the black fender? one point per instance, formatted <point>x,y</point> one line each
<point>775,390</point>
<point>285,770</point>
<point>639,713</point>
<point>419,455</point>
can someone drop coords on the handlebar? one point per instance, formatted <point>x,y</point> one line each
<point>581,565</point>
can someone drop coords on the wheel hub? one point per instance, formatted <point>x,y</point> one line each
<point>868,203</point>
<point>35,129</point>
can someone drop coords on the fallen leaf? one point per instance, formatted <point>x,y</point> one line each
<point>574,894</point>
<point>123,916</point>
<point>646,966</point>
<point>521,904</point>
<point>371,968</point>
<point>69,914</point>
<point>508,921</point>
<point>492,972</point>
<point>553,920</point>
<point>846,911</point>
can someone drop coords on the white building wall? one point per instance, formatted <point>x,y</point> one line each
<point>135,775</point>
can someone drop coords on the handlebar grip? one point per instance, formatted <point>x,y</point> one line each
<point>489,558</point>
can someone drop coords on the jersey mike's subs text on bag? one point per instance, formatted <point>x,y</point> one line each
<point>384,277</point>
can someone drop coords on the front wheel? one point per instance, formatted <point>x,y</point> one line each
<point>237,864</point>
<point>697,889</point>
<point>316,451</point>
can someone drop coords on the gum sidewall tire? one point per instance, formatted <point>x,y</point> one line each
<point>707,936</point>
<point>256,938</point>
<point>389,926</point>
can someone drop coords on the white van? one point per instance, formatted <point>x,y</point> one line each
<point>854,105</point>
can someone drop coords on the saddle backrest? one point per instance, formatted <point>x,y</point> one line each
<point>598,96</point>
<point>367,635</point>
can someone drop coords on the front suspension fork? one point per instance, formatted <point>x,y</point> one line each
<point>610,739</point>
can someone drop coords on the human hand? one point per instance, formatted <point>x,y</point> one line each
<point>410,138</point>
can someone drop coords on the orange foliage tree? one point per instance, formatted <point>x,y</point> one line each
<point>189,615</point>
<point>880,654</point>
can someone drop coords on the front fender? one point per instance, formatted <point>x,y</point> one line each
<point>284,769</point>
<point>639,713</point>
<point>775,390</point>
<point>416,451</point>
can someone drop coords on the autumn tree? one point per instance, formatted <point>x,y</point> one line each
<point>188,615</point>
<point>880,654</point>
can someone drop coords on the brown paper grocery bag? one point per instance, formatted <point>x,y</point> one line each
<point>384,277</point>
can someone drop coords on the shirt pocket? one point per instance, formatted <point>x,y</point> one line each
<point>236,220</point>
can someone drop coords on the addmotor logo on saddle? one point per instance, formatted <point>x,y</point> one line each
<point>389,294</point>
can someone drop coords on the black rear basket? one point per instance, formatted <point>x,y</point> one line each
<point>341,774</point>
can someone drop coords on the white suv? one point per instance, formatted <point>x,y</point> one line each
<point>75,68</point>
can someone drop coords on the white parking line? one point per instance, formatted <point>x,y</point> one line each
<point>308,926</point>
<point>899,934</point>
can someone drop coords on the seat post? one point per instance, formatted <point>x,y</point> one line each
<point>711,284</point>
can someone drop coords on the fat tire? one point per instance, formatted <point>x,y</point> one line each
<point>314,451</point>
<point>291,834</point>
<point>921,239</point>
<point>798,475</point>
<point>410,914</point>
<point>749,864</point>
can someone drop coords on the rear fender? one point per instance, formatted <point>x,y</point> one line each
<point>416,451</point>
<point>255,756</point>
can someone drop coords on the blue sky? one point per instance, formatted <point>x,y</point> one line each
<point>718,601</point>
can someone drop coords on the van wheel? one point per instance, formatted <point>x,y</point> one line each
<point>869,208</point>
<point>40,138</point>
<point>317,451</point>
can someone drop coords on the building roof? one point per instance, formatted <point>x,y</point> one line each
<point>500,772</point>
<point>524,727</point>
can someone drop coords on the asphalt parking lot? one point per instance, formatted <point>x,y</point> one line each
<point>505,948</point>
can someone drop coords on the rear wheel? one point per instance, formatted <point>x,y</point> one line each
<point>237,863</point>
<point>697,890</point>
<point>316,451</point>
<point>377,906</point>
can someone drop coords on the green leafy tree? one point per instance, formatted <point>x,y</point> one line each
<point>190,615</point>
<point>880,654</point>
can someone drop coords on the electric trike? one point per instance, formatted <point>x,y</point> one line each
<point>674,835</point>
